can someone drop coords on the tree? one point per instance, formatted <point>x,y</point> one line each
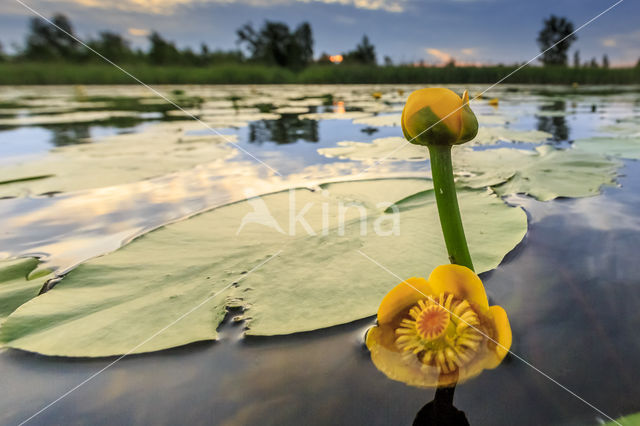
<point>576,59</point>
<point>162,52</point>
<point>47,42</point>
<point>593,63</point>
<point>303,44</point>
<point>364,53</point>
<point>605,61</point>
<point>112,46</point>
<point>3,56</point>
<point>388,62</point>
<point>325,59</point>
<point>554,40</point>
<point>275,44</point>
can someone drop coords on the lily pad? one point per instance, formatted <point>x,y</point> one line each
<point>115,160</point>
<point>545,173</point>
<point>347,115</point>
<point>622,147</point>
<point>380,120</point>
<point>18,283</point>
<point>256,256</point>
<point>493,135</point>
<point>395,120</point>
<point>387,149</point>
<point>71,117</point>
<point>630,420</point>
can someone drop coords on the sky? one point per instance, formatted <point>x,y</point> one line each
<point>471,31</point>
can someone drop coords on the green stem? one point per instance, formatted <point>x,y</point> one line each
<point>448,210</point>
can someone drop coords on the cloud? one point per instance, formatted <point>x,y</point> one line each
<point>446,57</point>
<point>442,56</point>
<point>609,42</point>
<point>138,32</point>
<point>165,7</point>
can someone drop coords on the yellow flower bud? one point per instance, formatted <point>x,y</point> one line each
<point>438,116</point>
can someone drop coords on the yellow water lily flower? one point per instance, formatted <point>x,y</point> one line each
<point>376,95</point>
<point>438,116</point>
<point>494,102</point>
<point>440,331</point>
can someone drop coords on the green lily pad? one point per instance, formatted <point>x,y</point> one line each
<point>622,147</point>
<point>397,148</point>
<point>630,420</point>
<point>71,117</point>
<point>380,120</point>
<point>553,113</point>
<point>493,135</point>
<point>18,283</point>
<point>545,173</point>
<point>118,159</point>
<point>624,127</point>
<point>348,115</point>
<point>387,149</point>
<point>395,120</point>
<point>256,256</point>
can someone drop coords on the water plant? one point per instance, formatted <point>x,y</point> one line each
<point>440,331</point>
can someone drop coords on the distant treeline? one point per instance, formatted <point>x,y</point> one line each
<point>273,53</point>
<point>63,73</point>
<point>273,44</point>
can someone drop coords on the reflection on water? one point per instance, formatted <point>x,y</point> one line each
<point>554,124</point>
<point>571,290</point>
<point>287,129</point>
<point>69,134</point>
<point>70,228</point>
<point>440,411</point>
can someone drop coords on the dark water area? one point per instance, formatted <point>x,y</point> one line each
<point>571,290</point>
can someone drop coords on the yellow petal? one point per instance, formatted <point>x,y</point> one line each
<point>461,282</point>
<point>443,103</point>
<point>405,294</point>
<point>503,336</point>
<point>391,362</point>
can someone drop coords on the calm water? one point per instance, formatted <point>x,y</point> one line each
<point>571,288</point>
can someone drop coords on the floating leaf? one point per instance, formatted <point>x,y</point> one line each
<point>492,119</point>
<point>630,420</point>
<point>387,149</point>
<point>115,304</point>
<point>71,117</point>
<point>379,120</point>
<point>292,110</point>
<point>623,147</point>
<point>545,173</point>
<point>18,284</point>
<point>348,115</point>
<point>394,120</point>
<point>493,135</point>
<point>553,113</point>
<point>628,126</point>
<point>117,159</point>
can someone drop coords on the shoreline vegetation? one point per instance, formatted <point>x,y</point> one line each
<point>48,73</point>
<point>278,54</point>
